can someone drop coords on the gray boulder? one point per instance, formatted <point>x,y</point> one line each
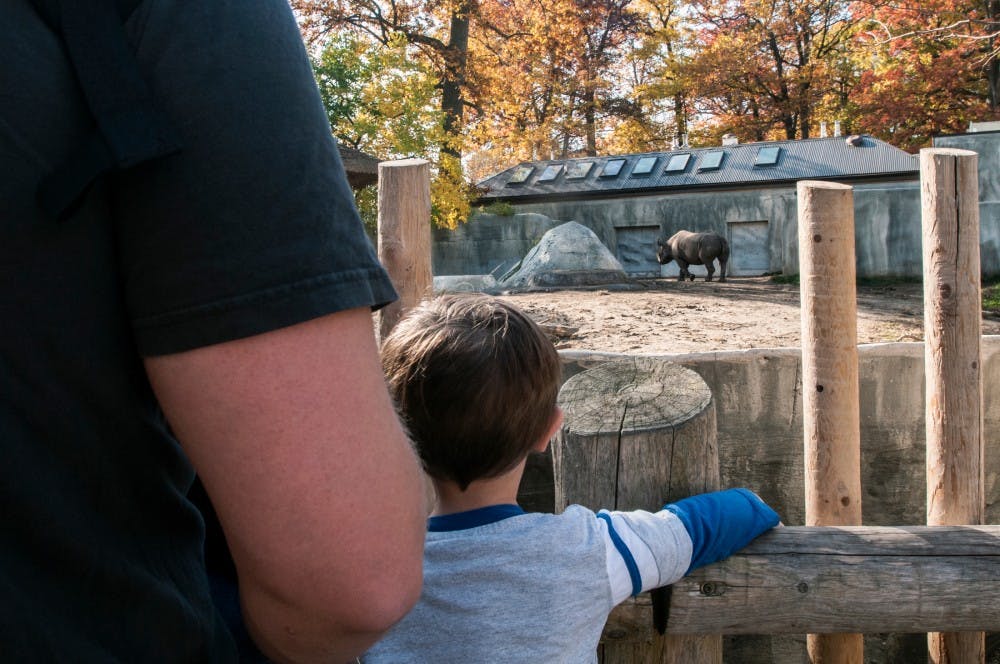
<point>568,255</point>
<point>465,283</point>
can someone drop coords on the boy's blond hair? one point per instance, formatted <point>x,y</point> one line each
<point>475,381</point>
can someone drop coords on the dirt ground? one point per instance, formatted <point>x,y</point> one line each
<point>668,316</point>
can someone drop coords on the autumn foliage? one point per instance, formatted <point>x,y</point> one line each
<point>480,85</point>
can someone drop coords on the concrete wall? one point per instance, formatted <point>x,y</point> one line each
<point>886,216</point>
<point>887,222</point>
<point>758,397</point>
<point>487,243</point>
<point>987,146</point>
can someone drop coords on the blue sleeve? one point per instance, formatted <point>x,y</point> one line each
<point>722,523</point>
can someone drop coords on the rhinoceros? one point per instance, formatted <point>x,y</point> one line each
<point>694,249</point>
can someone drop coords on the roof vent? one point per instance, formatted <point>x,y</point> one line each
<point>854,140</point>
<point>730,139</point>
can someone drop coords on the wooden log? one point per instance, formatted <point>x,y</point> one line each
<point>821,580</point>
<point>949,192</point>
<point>637,434</point>
<point>831,411</point>
<point>404,235</point>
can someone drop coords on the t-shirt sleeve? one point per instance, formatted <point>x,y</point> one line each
<point>648,550</point>
<point>645,550</point>
<point>252,225</point>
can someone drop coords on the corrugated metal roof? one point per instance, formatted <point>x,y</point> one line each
<point>361,168</point>
<point>838,157</point>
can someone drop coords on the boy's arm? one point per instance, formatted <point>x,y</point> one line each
<point>722,523</point>
<point>648,550</point>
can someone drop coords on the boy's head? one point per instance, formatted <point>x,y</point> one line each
<point>475,381</point>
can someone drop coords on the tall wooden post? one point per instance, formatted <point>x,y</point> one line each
<point>404,234</point>
<point>638,434</point>
<point>830,407</point>
<point>949,194</point>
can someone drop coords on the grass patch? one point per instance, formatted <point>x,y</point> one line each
<point>990,285</point>
<point>991,294</point>
<point>499,208</point>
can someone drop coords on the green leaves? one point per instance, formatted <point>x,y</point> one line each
<point>476,86</point>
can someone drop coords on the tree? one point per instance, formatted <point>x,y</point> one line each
<point>478,85</point>
<point>438,31</point>
<point>932,67</point>
<point>546,78</point>
<point>769,59</point>
<point>657,70</point>
<point>383,101</point>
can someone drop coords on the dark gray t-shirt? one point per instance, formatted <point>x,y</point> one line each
<point>250,228</point>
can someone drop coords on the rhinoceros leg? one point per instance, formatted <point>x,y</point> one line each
<point>710,266</point>
<point>683,269</point>
<point>722,269</point>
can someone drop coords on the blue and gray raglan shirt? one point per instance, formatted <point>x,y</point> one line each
<point>504,585</point>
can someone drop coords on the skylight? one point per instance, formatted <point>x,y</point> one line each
<point>612,168</point>
<point>550,173</point>
<point>644,166</point>
<point>521,174</point>
<point>767,156</point>
<point>711,160</point>
<point>578,170</point>
<point>677,163</point>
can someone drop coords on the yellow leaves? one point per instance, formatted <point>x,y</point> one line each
<point>450,195</point>
<point>631,136</point>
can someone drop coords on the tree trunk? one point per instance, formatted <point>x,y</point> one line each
<point>452,87</point>
<point>590,122</point>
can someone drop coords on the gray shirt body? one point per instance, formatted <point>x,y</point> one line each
<point>532,587</point>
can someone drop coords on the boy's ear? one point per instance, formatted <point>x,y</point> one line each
<point>554,424</point>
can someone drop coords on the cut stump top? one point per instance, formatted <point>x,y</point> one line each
<point>639,394</point>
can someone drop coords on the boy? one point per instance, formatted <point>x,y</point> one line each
<point>476,382</point>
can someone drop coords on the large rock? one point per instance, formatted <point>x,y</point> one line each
<point>568,255</point>
<point>465,283</point>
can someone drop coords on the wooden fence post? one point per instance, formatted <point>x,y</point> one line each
<point>949,194</point>
<point>830,406</point>
<point>404,234</point>
<point>638,434</point>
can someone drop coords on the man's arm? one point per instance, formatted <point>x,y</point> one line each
<point>317,488</point>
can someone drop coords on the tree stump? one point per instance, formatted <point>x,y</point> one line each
<point>638,434</point>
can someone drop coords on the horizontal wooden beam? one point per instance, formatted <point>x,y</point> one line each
<point>868,579</point>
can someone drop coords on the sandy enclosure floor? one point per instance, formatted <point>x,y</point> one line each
<point>667,316</point>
